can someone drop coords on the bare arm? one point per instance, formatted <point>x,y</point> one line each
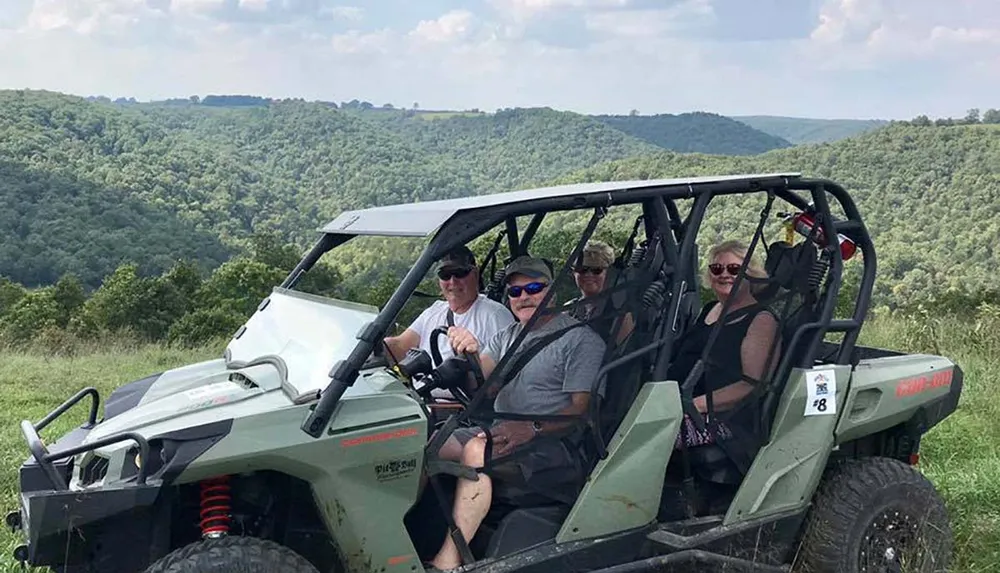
<point>579,405</point>
<point>398,345</point>
<point>463,341</point>
<point>628,324</point>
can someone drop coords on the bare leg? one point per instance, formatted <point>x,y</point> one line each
<point>472,503</point>
<point>451,450</point>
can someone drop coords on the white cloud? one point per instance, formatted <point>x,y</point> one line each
<point>88,16</point>
<point>348,13</point>
<point>655,23</point>
<point>874,34</point>
<point>454,25</point>
<point>965,35</point>
<point>889,58</point>
<point>52,14</point>
<point>356,42</point>
<point>254,5</point>
<point>841,20</point>
<point>523,9</point>
<point>196,6</point>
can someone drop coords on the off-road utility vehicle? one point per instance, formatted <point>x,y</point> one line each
<point>307,448</point>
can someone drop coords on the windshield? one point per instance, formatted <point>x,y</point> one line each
<point>313,319</point>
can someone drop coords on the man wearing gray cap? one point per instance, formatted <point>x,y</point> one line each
<point>555,381</point>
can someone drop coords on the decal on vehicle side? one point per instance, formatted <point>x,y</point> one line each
<point>400,559</point>
<point>821,397</point>
<point>918,384</point>
<point>394,469</point>
<point>380,437</point>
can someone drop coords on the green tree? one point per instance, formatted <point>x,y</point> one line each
<point>36,312</point>
<point>70,297</point>
<point>238,286</point>
<point>10,294</point>
<point>128,302</point>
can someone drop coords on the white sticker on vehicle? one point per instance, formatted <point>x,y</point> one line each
<point>821,397</point>
<point>209,390</point>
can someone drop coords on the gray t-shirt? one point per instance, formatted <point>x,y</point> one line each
<point>564,365</point>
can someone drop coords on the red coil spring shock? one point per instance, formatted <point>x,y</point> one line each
<point>215,507</point>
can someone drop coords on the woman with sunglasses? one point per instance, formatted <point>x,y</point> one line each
<point>739,354</point>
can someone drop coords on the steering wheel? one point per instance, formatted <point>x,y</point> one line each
<point>472,360</point>
<point>453,369</point>
<point>435,349</point>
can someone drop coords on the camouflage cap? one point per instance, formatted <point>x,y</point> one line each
<point>533,267</point>
<point>458,258</point>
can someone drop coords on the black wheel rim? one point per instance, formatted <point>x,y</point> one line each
<point>896,541</point>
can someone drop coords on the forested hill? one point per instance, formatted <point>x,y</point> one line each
<point>514,147</point>
<point>89,184</point>
<point>930,196</point>
<point>800,130</point>
<point>698,132</point>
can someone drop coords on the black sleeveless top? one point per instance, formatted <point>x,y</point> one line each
<point>724,363</point>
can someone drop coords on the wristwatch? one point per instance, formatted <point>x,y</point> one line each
<point>536,426</point>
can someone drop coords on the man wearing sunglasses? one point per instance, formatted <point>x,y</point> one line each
<point>557,380</point>
<point>458,279</point>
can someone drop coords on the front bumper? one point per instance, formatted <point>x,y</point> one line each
<point>60,525</point>
<point>69,528</point>
<point>110,514</point>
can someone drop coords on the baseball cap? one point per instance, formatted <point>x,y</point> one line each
<point>460,257</point>
<point>533,267</point>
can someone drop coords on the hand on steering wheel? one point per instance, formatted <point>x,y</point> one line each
<point>463,341</point>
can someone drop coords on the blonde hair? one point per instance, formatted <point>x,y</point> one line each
<point>738,248</point>
<point>597,253</point>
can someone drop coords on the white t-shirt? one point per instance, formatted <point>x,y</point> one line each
<point>484,318</point>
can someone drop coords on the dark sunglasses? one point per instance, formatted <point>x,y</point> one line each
<point>530,288</point>
<point>591,270</point>
<point>445,274</point>
<point>732,268</point>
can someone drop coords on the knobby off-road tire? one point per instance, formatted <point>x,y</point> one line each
<point>876,515</point>
<point>233,554</point>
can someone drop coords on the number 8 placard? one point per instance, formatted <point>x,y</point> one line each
<point>821,396</point>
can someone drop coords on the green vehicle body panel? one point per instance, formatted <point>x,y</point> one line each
<point>887,391</point>
<point>364,471</point>
<point>788,468</point>
<point>876,395</point>
<point>624,488</point>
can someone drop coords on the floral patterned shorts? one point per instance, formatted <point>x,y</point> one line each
<point>692,437</point>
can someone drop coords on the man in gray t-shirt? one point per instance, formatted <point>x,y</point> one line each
<point>545,385</point>
<point>557,380</point>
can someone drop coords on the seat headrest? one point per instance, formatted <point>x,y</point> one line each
<point>789,266</point>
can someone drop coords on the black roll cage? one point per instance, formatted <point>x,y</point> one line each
<point>658,209</point>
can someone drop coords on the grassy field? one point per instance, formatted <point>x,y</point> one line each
<point>961,456</point>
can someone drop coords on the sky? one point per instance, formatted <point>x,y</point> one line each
<point>809,58</point>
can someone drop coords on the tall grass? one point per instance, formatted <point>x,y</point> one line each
<point>960,456</point>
